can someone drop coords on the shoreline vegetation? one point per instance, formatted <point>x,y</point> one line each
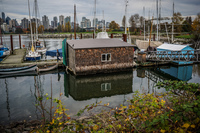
<point>177,110</point>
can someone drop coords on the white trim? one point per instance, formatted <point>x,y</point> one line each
<point>106,57</point>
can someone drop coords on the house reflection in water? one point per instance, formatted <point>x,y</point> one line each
<point>96,86</point>
<point>183,73</point>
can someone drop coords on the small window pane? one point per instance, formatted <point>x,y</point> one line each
<point>103,57</point>
<point>108,57</point>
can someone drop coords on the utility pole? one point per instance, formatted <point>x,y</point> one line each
<point>173,24</point>
<point>74,21</point>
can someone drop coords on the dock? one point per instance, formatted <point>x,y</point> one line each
<point>17,60</point>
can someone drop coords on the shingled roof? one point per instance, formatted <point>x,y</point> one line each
<point>97,43</point>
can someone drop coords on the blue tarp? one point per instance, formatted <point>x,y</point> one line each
<point>53,52</point>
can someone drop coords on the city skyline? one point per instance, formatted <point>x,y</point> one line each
<point>113,9</point>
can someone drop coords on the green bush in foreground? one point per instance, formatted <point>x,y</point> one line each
<point>175,111</point>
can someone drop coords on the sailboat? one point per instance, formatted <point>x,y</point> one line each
<point>40,48</point>
<point>32,55</point>
<point>4,51</point>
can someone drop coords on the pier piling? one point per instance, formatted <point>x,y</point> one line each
<point>11,43</point>
<point>19,41</point>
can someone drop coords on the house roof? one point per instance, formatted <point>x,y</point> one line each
<point>172,47</point>
<point>97,43</point>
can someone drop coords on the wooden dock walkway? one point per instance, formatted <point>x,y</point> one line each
<point>17,60</point>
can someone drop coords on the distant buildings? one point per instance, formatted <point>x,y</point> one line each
<point>55,22</point>
<point>3,16</point>
<point>67,19</point>
<point>61,19</point>
<point>9,24</point>
<point>85,23</point>
<point>45,22</point>
<point>24,23</point>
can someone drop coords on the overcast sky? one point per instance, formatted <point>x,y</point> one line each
<point>113,9</point>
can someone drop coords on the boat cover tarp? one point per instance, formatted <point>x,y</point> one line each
<point>53,52</point>
<point>64,51</point>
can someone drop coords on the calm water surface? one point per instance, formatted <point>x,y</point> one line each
<point>18,94</point>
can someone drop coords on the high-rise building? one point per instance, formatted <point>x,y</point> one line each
<point>45,22</point>
<point>55,19</point>
<point>12,23</point>
<point>68,19</point>
<point>86,23</point>
<point>3,17</point>
<point>7,20</point>
<point>61,19</point>
<point>24,23</point>
<point>107,24</point>
<point>96,22</point>
<point>52,24</point>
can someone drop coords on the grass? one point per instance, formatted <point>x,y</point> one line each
<point>185,36</point>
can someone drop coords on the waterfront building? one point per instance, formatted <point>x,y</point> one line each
<point>90,56</point>
<point>12,23</point>
<point>24,23</point>
<point>45,22</point>
<point>55,19</point>
<point>61,20</point>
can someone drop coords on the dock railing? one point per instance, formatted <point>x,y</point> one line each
<point>184,55</point>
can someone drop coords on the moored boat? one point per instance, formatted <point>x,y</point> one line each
<point>48,68</point>
<point>19,70</point>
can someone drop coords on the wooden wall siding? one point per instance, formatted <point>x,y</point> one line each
<point>90,59</point>
<point>71,55</point>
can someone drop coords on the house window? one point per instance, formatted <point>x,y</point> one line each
<point>105,86</point>
<point>106,57</point>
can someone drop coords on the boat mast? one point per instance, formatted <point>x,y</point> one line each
<point>157,17</point>
<point>125,16</point>
<point>1,36</point>
<point>94,16</point>
<point>36,20</point>
<point>173,24</point>
<point>74,21</point>
<point>144,21</point>
<point>32,48</point>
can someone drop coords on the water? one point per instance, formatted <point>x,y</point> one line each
<point>18,95</point>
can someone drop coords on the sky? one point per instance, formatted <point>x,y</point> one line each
<point>113,9</point>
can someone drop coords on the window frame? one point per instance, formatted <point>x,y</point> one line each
<point>106,57</point>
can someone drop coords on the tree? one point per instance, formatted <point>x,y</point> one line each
<point>123,21</point>
<point>18,30</point>
<point>177,21</point>
<point>133,20</point>
<point>141,21</point>
<point>187,25</point>
<point>63,28</point>
<point>114,26</point>
<point>41,29</point>
<point>196,31</point>
<point>59,28</point>
<point>68,27</point>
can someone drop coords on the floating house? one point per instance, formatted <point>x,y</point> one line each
<point>91,56</point>
<point>176,48</point>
